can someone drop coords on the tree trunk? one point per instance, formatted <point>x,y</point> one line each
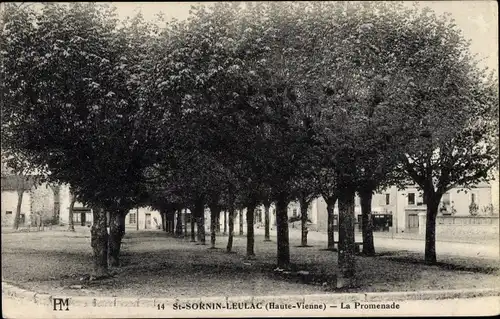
<point>99,243</point>
<point>137,219</point>
<point>166,216</point>
<point>71,224</point>
<point>217,224</point>
<point>57,204</point>
<point>267,236</point>
<point>346,260</point>
<point>231,230</point>
<point>116,233</point>
<point>178,226</point>
<point>20,194</point>
<point>366,222</point>
<point>430,228</point>
<point>250,233</point>
<point>330,208</point>
<point>184,219</point>
<point>192,223</point>
<point>171,221</point>
<point>225,222</point>
<point>163,221</point>
<point>201,229</point>
<point>304,205</point>
<point>214,212</point>
<point>241,223</point>
<point>200,219</point>
<point>283,244</point>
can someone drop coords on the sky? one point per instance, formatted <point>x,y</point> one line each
<point>478,20</point>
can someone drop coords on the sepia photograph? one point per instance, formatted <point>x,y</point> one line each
<point>249,159</point>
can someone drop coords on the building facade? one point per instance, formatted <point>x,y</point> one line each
<point>40,200</point>
<point>404,206</point>
<point>143,218</point>
<point>398,209</point>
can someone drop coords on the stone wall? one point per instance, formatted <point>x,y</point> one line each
<point>458,232</point>
<point>9,204</point>
<point>42,201</point>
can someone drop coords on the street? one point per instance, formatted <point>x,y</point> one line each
<point>413,245</point>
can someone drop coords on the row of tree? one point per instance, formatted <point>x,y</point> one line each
<point>246,104</point>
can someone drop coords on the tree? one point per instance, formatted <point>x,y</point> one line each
<point>22,182</point>
<point>116,230</point>
<point>441,106</point>
<point>215,209</point>
<point>267,204</point>
<point>329,194</point>
<point>250,229</point>
<point>230,199</point>
<point>71,223</point>
<point>306,191</point>
<point>97,149</point>
<point>99,235</point>
<point>178,225</point>
<point>337,92</point>
<point>276,141</point>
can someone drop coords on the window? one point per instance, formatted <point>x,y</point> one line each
<point>387,199</point>
<point>76,217</point>
<point>294,212</point>
<point>132,219</point>
<point>411,198</point>
<point>473,198</point>
<point>8,212</point>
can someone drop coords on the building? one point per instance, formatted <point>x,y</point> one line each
<point>43,200</point>
<point>395,210</point>
<point>10,185</point>
<point>143,218</point>
<point>402,207</point>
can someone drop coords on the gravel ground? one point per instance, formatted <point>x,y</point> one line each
<point>156,265</point>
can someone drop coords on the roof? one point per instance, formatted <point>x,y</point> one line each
<point>11,182</point>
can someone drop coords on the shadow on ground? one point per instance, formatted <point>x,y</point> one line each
<point>154,264</point>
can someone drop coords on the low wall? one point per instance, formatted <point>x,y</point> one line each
<point>471,231</point>
<point>467,227</point>
<point>467,220</point>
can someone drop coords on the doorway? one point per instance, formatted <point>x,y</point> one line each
<point>412,222</point>
<point>148,221</point>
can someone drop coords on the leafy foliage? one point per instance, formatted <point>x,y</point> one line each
<point>245,103</point>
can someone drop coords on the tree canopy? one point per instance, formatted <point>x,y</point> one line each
<point>247,103</point>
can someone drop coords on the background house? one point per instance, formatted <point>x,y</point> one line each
<point>143,218</point>
<point>52,202</point>
<point>393,210</point>
<point>10,185</point>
